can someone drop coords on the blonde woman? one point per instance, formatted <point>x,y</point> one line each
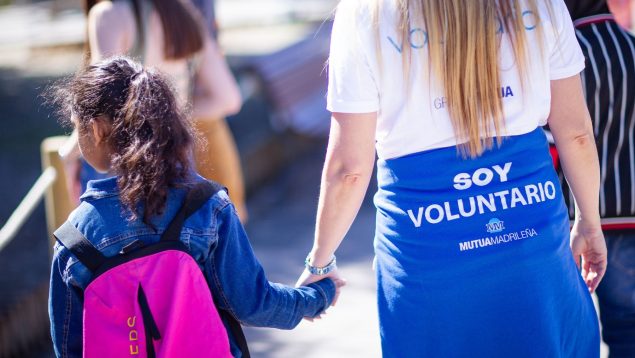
<point>474,256</point>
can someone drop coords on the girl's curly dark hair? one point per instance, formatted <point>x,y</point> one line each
<point>150,137</point>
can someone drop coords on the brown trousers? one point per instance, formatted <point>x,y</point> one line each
<point>217,159</point>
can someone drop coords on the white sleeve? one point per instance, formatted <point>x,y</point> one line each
<point>352,87</point>
<point>566,58</point>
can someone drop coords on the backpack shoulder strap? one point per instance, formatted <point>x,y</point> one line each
<point>237,331</point>
<point>79,246</point>
<point>198,195</point>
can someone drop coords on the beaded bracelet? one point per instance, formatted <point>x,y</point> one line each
<point>320,270</point>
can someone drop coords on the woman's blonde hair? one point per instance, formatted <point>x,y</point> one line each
<point>463,40</point>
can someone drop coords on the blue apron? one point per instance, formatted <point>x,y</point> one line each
<point>473,257</point>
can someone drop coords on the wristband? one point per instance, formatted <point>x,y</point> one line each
<point>319,271</point>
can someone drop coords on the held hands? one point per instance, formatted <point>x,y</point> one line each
<point>307,278</point>
<point>587,241</point>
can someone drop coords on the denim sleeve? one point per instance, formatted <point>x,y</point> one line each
<point>240,286</point>
<point>65,310</point>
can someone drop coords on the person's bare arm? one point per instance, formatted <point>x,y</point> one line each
<point>572,130</point>
<point>111,29</point>
<point>217,91</point>
<point>348,167</point>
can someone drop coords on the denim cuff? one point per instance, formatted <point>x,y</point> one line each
<point>326,287</point>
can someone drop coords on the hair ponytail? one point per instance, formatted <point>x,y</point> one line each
<point>150,139</point>
<point>149,143</point>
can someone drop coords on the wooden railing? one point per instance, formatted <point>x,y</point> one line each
<point>51,185</point>
<point>24,324</point>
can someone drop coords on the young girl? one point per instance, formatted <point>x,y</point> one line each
<point>474,257</point>
<point>129,123</point>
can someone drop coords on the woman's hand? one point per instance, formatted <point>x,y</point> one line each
<point>587,241</point>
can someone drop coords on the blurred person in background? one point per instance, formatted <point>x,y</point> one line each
<point>609,83</point>
<point>474,255</point>
<point>208,11</point>
<point>170,35</point>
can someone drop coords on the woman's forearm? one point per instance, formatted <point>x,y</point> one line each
<point>341,195</point>
<point>572,130</point>
<point>580,165</point>
<point>208,107</point>
<point>218,94</point>
<point>347,171</point>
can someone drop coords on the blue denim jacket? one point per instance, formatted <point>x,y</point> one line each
<point>216,240</point>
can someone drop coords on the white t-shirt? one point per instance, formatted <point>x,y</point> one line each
<point>420,122</point>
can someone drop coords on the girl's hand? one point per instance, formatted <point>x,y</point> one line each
<point>587,241</point>
<point>307,278</point>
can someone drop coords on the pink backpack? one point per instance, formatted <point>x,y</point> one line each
<point>151,300</point>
